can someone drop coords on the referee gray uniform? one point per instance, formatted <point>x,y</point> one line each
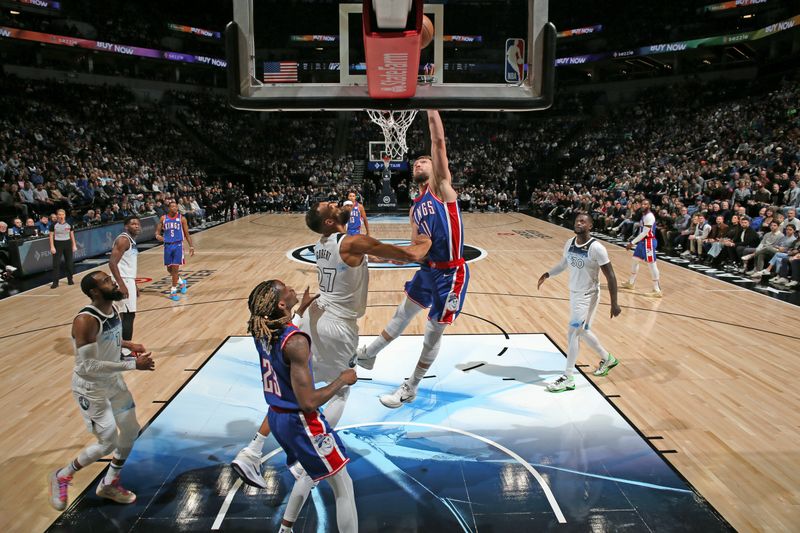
<point>63,245</point>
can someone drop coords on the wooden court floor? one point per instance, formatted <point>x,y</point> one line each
<point>709,368</point>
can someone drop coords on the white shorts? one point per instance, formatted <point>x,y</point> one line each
<point>128,305</point>
<point>99,407</point>
<point>583,306</point>
<point>333,341</point>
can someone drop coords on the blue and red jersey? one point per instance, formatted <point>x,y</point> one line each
<point>173,229</point>
<point>275,373</point>
<point>354,224</point>
<point>441,221</point>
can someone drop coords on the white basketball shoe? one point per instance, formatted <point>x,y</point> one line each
<point>405,393</point>
<point>247,466</point>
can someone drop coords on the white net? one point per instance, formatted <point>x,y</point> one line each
<point>394,125</point>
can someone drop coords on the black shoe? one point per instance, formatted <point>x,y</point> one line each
<point>54,285</point>
<point>70,282</point>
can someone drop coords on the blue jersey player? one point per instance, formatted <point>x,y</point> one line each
<point>358,216</point>
<point>645,252</point>
<point>294,417</point>
<point>441,282</point>
<point>171,230</point>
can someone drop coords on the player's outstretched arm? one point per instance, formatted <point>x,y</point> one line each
<point>611,279</point>
<point>297,351</point>
<point>363,245</point>
<point>642,234</point>
<point>441,168</point>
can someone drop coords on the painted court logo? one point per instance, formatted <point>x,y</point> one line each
<point>305,254</point>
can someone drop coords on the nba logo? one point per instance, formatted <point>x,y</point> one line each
<point>515,60</point>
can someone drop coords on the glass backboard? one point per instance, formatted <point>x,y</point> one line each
<point>309,55</point>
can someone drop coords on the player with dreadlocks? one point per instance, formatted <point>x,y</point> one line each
<point>332,317</point>
<point>298,426</point>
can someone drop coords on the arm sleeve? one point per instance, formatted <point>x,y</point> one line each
<point>89,364</point>
<point>558,269</point>
<point>562,265</point>
<point>645,231</point>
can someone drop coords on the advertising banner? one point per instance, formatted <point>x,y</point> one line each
<point>34,255</point>
<point>138,51</point>
<point>580,31</point>
<point>195,31</point>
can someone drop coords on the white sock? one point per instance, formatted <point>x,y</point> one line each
<point>431,342</point>
<point>417,376</point>
<point>68,470</point>
<point>112,474</point>
<point>174,289</point>
<point>376,346</point>
<point>654,274</point>
<point>257,444</point>
<point>634,271</point>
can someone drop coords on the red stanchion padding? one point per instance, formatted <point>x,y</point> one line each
<point>392,59</point>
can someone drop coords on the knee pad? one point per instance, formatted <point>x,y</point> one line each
<point>402,317</point>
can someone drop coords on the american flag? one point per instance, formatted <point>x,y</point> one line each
<point>280,71</point>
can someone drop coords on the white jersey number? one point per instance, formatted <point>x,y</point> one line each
<point>270,379</point>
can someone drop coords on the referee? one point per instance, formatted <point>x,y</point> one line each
<point>62,242</point>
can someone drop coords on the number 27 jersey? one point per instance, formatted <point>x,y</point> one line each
<point>342,288</point>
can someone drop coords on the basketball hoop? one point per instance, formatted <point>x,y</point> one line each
<point>386,160</point>
<point>394,125</point>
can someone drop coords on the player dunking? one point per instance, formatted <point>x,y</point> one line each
<point>104,400</point>
<point>171,230</point>
<point>441,282</point>
<point>300,429</point>
<point>331,321</point>
<point>585,257</point>
<point>123,265</point>
<point>358,215</point>
<point>645,251</point>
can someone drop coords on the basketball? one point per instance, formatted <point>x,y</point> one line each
<point>426,33</point>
